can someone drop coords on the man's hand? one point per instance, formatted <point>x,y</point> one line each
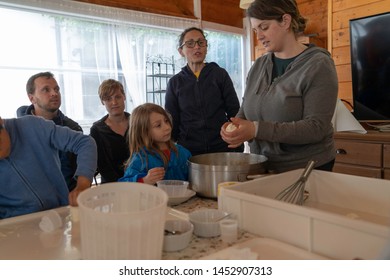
<point>83,183</point>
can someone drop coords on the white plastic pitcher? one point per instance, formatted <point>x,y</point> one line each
<point>122,221</point>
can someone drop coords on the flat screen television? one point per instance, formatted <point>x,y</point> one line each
<point>370,64</point>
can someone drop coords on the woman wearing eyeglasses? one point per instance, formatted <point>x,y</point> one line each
<point>290,93</point>
<point>200,98</point>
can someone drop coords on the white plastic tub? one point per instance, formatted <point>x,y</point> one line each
<point>263,249</point>
<point>345,216</point>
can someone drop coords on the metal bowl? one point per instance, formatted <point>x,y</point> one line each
<point>206,171</point>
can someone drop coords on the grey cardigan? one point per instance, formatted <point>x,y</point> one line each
<point>294,112</point>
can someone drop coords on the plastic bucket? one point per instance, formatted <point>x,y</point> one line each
<point>122,221</point>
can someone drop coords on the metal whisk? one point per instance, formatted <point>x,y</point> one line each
<point>295,193</point>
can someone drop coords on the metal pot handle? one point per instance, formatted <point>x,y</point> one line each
<point>251,177</point>
<point>246,177</point>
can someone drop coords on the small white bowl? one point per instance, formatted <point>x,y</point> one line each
<point>182,237</point>
<point>174,188</point>
<point>206,222</point>
<point>175,200</point>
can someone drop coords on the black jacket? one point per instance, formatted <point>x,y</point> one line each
<point>200,106</point>
<point>113,150</point>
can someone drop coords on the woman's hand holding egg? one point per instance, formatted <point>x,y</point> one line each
<point>238,131</point>
<point>231,127</point>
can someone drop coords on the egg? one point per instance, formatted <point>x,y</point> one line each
<point>231,127</point>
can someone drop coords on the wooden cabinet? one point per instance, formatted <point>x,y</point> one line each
<point>363,154</point>
<point>386,161</point>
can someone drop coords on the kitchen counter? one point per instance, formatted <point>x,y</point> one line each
<point>201,247</point>
<point>21,237</point>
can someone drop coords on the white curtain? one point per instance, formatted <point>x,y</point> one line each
<point>86,44</point>
<point>132,49</point>
<point>132,61</point>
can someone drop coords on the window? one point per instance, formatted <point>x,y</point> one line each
<point>82,51</point>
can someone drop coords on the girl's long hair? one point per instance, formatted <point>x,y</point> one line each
<point>140,139</point>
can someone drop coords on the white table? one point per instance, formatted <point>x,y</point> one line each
<point>21,237</point>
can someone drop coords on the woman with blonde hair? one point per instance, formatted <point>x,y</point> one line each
<point>153,154</point>
<point>110,132</point>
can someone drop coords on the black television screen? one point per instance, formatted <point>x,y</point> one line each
<point>370,64</point>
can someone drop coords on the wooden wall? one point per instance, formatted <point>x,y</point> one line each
<point>316,13</point>
<point>340,12</point>
<point>180,8</point>
<point>226,12</point>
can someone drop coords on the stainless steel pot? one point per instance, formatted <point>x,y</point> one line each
<point>206,171</point>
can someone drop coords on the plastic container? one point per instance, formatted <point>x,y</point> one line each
<point>174,188</point>
<point>122,221</point>
<point>225,184</point>
<point>206,222</point>
<point>229,230</point>
<point>182,237</point>
<point>263,249</point>
<point>344,217</point>
<point>51,221</point>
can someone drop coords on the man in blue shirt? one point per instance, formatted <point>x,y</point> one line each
<point>30,176</point>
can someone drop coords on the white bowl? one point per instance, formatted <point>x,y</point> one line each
<point>174,188</point>
<point>175,200</point>
<point>182,237</point>
<point>206,222</point>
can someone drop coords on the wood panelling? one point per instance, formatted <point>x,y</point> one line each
<point>180,8</point>
<point>344,72</point>
<point>339,5</point>
<point>342,55</point>
<point>225,12</point>
<point>316,12</point>
<point>345,91</point>
<point>342,11</point>
<point>341,18</point>
<point>340,38</point>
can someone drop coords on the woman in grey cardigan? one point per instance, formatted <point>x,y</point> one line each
<point>290,94</point>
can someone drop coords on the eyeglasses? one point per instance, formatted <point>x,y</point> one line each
<point>191,44</point>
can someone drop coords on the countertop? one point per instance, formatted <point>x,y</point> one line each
<point>201,247</point>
